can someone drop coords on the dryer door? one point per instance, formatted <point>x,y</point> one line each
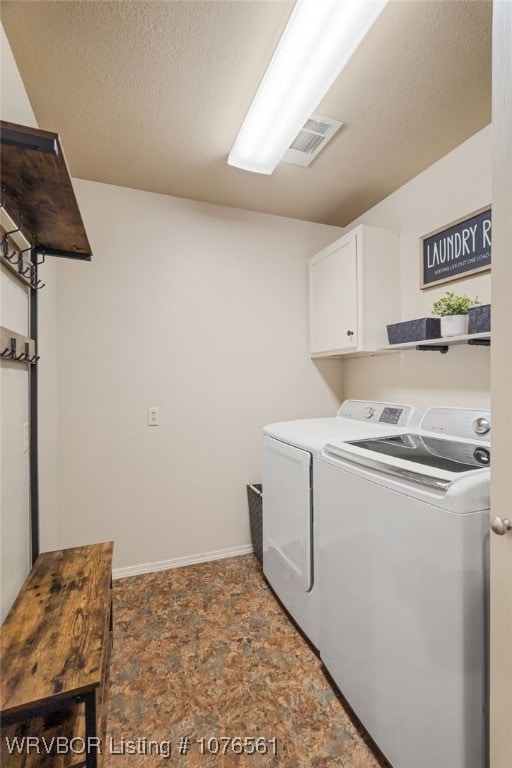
<point>287,519</point>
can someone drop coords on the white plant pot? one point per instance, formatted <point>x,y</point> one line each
<point>454,325</point>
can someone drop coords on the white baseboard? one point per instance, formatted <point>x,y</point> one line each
<point>180,562</point>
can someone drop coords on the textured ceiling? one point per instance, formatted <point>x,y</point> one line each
<point>151,95</point>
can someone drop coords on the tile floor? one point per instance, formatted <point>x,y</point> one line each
<point>206,652</point>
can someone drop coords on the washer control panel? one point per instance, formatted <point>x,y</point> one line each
<point>391,415</point>
<point>383,413</point>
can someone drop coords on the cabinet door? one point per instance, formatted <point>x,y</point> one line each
<point>333,298</point>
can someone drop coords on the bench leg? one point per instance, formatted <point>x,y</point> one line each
<point>91,730</point>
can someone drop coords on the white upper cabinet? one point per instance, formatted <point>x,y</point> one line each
<point>354,292</point>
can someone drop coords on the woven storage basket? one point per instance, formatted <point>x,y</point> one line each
<point>414,330</point>
<point>255,499</point>
<point>480,319</point>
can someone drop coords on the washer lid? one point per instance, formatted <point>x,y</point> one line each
<point>434,452</point>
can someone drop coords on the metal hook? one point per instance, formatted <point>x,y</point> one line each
<point>21,262</point>
<point>33,274</point>
<point>9,353</point>
<point>13,257</point>
<point>30,359</point>
<point>43,254</point>
<point>35,283</point>
<point>24,271</point>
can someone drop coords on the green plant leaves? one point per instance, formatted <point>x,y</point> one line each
<point>452,304</point>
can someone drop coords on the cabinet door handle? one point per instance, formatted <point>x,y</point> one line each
<point>350,333</point>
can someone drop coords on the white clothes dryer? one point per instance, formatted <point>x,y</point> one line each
<point>290,545</point>
<point>404,537</point>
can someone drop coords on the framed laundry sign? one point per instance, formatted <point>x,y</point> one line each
<point>459,250</point>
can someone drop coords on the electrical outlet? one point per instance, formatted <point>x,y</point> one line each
<point>153,416</point>
<point>25,437</point>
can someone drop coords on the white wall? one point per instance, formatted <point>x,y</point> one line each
<point>200,310</point>
<point>454,187</point>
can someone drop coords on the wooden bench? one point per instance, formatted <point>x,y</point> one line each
<point>54,654</point>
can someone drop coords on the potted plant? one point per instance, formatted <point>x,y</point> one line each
<point>453,311</point>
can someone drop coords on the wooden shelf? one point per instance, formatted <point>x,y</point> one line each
<point>475,339</point>
<point>36,185</point>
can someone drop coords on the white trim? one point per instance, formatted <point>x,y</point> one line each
<point>180,562</point>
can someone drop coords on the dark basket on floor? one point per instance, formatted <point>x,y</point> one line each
<point>255,499</point>
<point>414,330</point>
<point>480,319</point>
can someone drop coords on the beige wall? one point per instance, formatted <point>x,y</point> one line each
<point>454,187</point>
<point>14,497</point>
<point>15,555</point>
<point>200,310</point>
<point>48,407</point>
<point>14,102</point>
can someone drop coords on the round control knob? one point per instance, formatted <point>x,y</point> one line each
<point>482,456</point>
<point>368,412</point>
<point>501,527</point>
<point>481,425</point>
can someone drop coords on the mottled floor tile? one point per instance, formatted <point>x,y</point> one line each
<point>205,653</point>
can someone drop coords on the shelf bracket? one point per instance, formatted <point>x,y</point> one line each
<point>442,348</point>
<point>479,342</point>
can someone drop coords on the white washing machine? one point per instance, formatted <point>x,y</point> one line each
<point>290,546</point>
<point>404,530</point>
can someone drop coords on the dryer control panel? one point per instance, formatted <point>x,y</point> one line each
<point>393,414</point>
<point>470,423</point>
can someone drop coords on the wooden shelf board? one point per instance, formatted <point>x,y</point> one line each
<point>37,185</point>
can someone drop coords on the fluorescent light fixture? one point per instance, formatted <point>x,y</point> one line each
<point>319,39</point>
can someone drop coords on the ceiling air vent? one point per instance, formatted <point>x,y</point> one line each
<point>313,137</point>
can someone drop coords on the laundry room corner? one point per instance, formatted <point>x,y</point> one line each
<point>456,185</point>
